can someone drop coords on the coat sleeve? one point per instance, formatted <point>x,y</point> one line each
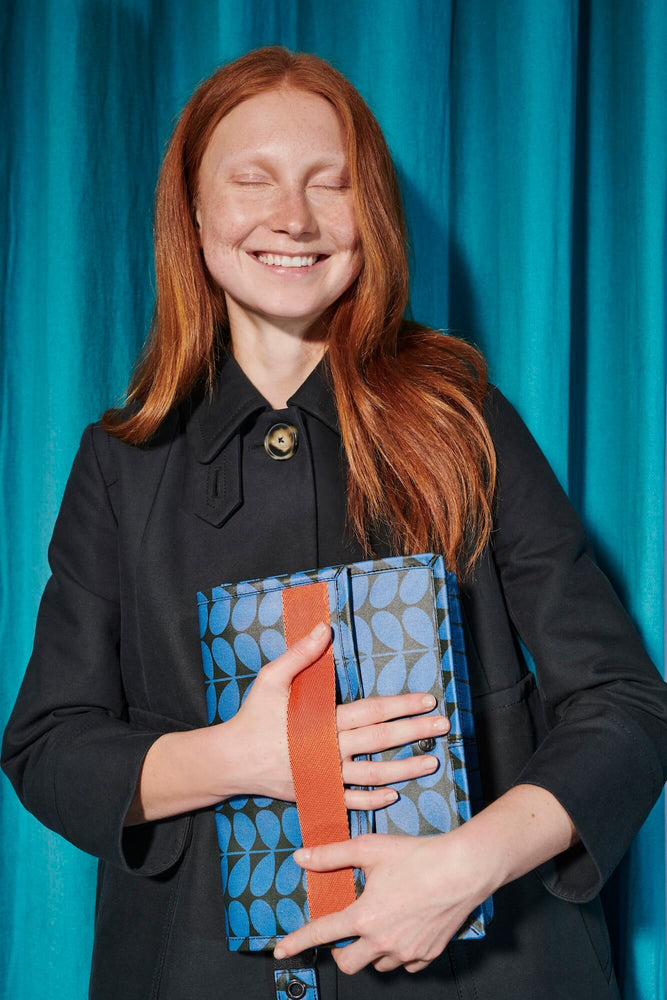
<point>68,749</point>
<point>605,755</point>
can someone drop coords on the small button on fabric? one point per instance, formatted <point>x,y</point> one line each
<point>427,744</point>
<point>295,990</point>
<point>281,441</point>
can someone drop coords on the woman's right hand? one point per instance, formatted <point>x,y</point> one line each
<point>258,733</point>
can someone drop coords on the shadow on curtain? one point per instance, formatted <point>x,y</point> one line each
<point>531,143</point>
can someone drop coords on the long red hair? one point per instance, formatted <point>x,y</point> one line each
<point>420,457</point>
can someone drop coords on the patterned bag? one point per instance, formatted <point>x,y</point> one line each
<point>396,627</point>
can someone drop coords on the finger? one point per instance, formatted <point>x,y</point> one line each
<point>354,957</point>
<point>386,772</point>
<point>371,739</point>
<point>365,798</point>
<point>304,652</point>
<point>415,966</point>
<point>380,708</point>
<point>358,852</point>
<point>324,930</point>
<point>386,964</point>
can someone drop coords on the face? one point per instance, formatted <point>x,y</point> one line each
<point>275,211</point>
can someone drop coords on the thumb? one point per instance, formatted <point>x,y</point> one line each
<point>303,653</point>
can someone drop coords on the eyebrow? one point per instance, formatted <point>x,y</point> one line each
<point>265,161</point>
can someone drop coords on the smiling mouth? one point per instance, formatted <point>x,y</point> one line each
<point>283,263</point>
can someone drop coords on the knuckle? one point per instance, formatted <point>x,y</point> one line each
<point>367,922</point>
<point>374,710</point>
<point>373,774</point>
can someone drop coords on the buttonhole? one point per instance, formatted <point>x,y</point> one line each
<point>215,484</point>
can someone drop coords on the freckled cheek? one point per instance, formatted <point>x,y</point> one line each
<point>228,225</point>
<point>344,230</point>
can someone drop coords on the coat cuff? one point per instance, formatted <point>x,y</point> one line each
<point>605,821</point>
<point>95,799</point>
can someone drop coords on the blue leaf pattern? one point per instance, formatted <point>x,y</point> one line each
<point>244,613</point>
<point>392,677</point>
<point>272,643</point>
<point>404,814</point>
<point>270,608</point>
<point>364,636</point>
<point>359,589</point>
<point>238,919</point>
<point>207,661</point>
<point>229,702</point>
<point>238,876</point>
<point>291,827</point>
<point>219,617</point>
<point>383,589</point>
<point>247,651</point>
<point>211,702</point>
<point>434,810</point>
<point>414,585</point>
<point>263,918</point>
<point>224,830</point>
<point>223,654</point>
<point>289,914</point>
<point>244,831</point>
<point>423,674</point>
<point>268,825</point>
<point>262,876</point>
<point>388,629</point>
<point>288,876</point>
<point>419,627</point>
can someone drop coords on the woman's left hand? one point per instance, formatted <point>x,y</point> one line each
<point>418,892</point>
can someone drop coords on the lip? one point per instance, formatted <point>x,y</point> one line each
<point>294,272</point>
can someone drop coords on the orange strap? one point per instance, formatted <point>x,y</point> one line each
<point>312,739</point>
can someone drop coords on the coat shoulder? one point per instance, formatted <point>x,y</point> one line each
<point>117,457</point>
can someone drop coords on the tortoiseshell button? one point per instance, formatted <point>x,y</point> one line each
<point>281,441</point>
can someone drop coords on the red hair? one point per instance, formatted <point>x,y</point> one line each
<point>409,398</point>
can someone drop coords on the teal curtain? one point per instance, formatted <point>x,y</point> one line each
<point>531,143</point>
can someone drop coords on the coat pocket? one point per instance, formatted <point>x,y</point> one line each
<point>510,725</point>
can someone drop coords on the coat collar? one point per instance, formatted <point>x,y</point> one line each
<point>213,422</point>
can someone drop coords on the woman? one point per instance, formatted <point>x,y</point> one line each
<point>282,281</point>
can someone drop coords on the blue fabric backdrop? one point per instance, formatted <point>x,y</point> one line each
<point>531,142</point>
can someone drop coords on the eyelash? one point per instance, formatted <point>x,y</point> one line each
<point>328,187</point>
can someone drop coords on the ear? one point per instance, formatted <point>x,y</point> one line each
<point>197,218</point>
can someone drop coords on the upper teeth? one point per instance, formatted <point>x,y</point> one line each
<point>270,258</point>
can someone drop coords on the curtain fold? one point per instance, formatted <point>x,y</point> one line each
<point>531,145</point>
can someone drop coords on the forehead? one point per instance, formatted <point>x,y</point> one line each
<point>277,123</point>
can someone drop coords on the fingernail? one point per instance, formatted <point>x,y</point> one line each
<point>391,795</point>
<point>428,700</point>
<point>441,722</point>
<point>301,855</point>
<point>319,630</point>
<point>278,952</point>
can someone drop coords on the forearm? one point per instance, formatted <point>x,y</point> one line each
<point>519,831</point>
<point>186,771</point>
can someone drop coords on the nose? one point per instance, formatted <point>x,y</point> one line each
<point>293,212</point>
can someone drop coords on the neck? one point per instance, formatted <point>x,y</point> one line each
<point>276,359</point>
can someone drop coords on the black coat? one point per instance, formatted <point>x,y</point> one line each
<point>117,662</point>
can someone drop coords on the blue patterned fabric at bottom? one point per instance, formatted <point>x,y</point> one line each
<point>296,984</point>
